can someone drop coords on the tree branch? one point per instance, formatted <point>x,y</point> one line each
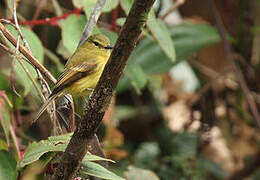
<point>103,92</point>
<point>92,20</point>
<point>26,53</point>
<point>228,49</point>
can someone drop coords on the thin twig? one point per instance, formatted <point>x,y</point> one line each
<point>31,78</point>
<point>57,7</point>
<point>39,67</point>
<point>20,60</point>
<point>239,75</point>
<point>14,138</point>
<point>26,53</point>
<point>44,84</point>
<point>12,74</point>
<point>38,9</point>
<point>255,59</point>
<point>176,5</point>
<point>3,94</point>
<point>18,27</point>
<point>92,20</point>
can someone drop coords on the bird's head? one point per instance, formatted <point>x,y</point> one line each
<point>98,44</point>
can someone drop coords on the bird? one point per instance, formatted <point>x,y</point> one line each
<point>82,70</point>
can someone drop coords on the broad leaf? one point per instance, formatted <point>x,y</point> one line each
<point>72,28</point>
<point>126,5</point>
<point>125,112</point>
<point>88,6</point>
<point>139,173</point>
<point>7,166</point>
<point>10,5</point>
<point>188,39</point>
<point>111,35</point>
<point>91,157</point>
<point>37,149</point>
<point>5,119</point>
<point>213,168</point>
<point>37,50</point>
<point>161,34</point>
<point>52,144</point>
<point>187,144</point>
<point>120,21</point>
<point>110,4</point>
<point>77,3</point>
<point>94,169</point>
<point>3,145</point>
<point>136,75</point>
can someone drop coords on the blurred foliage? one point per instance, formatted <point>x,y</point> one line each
<point>138,131</point>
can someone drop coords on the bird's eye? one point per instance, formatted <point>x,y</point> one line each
<point>96,43</point>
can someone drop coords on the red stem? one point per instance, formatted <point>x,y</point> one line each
<point>114,17</point>
<point>51,21</point>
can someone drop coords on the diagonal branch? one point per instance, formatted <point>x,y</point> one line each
<point>248,96</point>
<point>102,94</point>
<point>26,53</point>
<point>92,20</point>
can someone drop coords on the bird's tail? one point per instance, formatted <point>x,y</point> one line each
<point>44,107</point>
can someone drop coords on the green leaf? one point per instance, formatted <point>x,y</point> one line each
<point>161,35</point>
<point>147,154</point>
<point>88,6</point>
<point>5,120</point>
<point>123,84</point>
<point>134,173</point>
<point>5,82</point>
<point>37,149</point>
<point>52,144</point>
<point>94,169</point>
<point>126,5</point>
<point>77,3</point>
<point>110,4</point>
<point>54,59</point>
<point>10,5</point>
<point>8,169</point>
<point>71,31</point>
<point>37,50</point>
<point>188,39</point>
<point>124,112</point>
<point>34,42</point>
<point>213,168</point>
<point>120,21</point>
<point>136,75</point>
<point>186,144</point>
<point>61,49</point>
<point>91,157</point>
<point>111,35</point>
<point>3,145</point>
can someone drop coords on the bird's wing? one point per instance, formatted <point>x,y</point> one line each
<point>73,74</point>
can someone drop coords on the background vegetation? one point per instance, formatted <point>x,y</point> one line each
<point>178,112</point>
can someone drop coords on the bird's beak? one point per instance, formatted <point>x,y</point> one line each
<point>108,47</point>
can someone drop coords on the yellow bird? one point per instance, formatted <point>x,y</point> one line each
<point>82,70</point>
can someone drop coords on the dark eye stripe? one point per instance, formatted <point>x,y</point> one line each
<point>96,43</point>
